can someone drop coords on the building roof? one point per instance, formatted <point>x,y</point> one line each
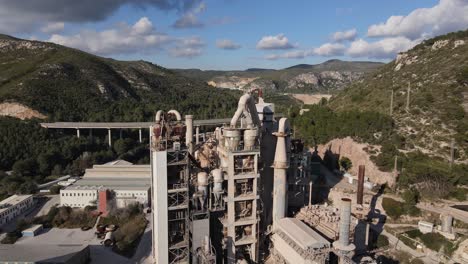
<point>119,163</point>
<point>301,234</point>
<point>33,228</point>
<point>111,183</point>
<point>12,201</point>
<point>119,168</point>
<point>39,253</point>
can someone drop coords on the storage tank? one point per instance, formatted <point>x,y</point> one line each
<point>202,182</point>
<point>250,138</point>
<point>232,138</point>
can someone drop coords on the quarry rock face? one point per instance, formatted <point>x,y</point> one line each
<point>347,147</point>
<point>19,111</point>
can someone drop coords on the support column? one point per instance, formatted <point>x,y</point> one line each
<point>120,135</point>
<point>197,135</point>
<point>139,135</point>
<point>78,133</point>
<point>90,133</point>
<point>109,134</point>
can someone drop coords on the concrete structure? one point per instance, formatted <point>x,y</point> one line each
<point>343,247</point>
<point>125,184</point>
<point>360,187</point>
<point>14,206</point>
<point>296,243</point>
<point>60,254</point>
<point>32,231</point>
<point>425,227</point>
<point>170,190</point>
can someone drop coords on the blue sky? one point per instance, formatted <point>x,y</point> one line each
<point>235,34</point>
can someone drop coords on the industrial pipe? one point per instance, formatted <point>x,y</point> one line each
<point>247,107</point>
<point>158,116</point>
<point>280,166</point>
<point>176,113</point>
<point>189,132</point>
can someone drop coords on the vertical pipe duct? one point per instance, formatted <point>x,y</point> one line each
<point>280,166</point>
<point>360,187</point>
<point>345,221</point>
<point>189,133</point>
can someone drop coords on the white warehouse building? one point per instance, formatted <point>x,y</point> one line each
<point>125,182</point>
<point>13,206</point>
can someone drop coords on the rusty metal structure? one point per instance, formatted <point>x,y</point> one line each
<point>360,186</point>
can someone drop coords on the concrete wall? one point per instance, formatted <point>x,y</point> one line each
<point>78,198</point>
<point>14,210</point>
<point>160,220</point>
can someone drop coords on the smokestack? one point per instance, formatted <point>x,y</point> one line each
<point>345,221</point>
<point>189,132</point>
<point>280,166</point>
<point>360,187</point>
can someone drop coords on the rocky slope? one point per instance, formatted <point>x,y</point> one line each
<point>358,154</point>
<point>328,76</point>
<point>435,74</point>
<point>67,84</point>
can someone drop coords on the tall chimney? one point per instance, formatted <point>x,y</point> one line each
<point>189,132</point>
<point>343,245</point>
<point>280,166</point>
<point>360,187</point>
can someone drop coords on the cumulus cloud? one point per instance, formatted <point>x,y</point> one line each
<point>227,44</point>
<point>344,35</point>
<point>330,49</point>
<point>190,18</point>
<point>29,15</point>
<point>123,39</point>
<point>297,54</point>
<point>188,47</point>
<point>386,48</point>
<point>54,27</point>
<point>279,41</point>
<point>446,16</point>
<point>326,50</point>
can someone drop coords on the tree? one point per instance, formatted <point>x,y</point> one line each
<point>345,163</point>
<point>27,167</point>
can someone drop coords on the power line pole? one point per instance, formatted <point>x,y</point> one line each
<point>408,97</point>
<point>391,104</point>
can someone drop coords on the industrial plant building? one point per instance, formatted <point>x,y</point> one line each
<point>14,206</point>
<point>242,195</point>
<point>112,185</point>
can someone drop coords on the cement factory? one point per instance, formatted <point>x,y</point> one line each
<point>246,193</point>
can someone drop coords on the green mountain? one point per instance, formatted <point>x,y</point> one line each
<point>70,85</point>
<point>435,73</point>
<point>328,76</point>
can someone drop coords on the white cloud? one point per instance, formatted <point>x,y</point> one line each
<point>143,26</point>
<point>446,16</point>
<point>297,54</point>
<point>330,49</point>
<point>188,47</point>
<point>190,19</point>
<point>279,41</point>
<point>326,50</point>
<point>54,27</point>
<point>344,35</point>
<point>386,48</point>
<point>123,39</point>
<point>227,44</point>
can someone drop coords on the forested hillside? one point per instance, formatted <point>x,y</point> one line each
<point>70,85</point>
<point>420,135</point>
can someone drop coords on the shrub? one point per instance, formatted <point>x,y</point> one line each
<point>393,208</point>
<point>382,241</point>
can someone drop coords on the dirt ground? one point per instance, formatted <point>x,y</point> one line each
<point>310,99</point>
